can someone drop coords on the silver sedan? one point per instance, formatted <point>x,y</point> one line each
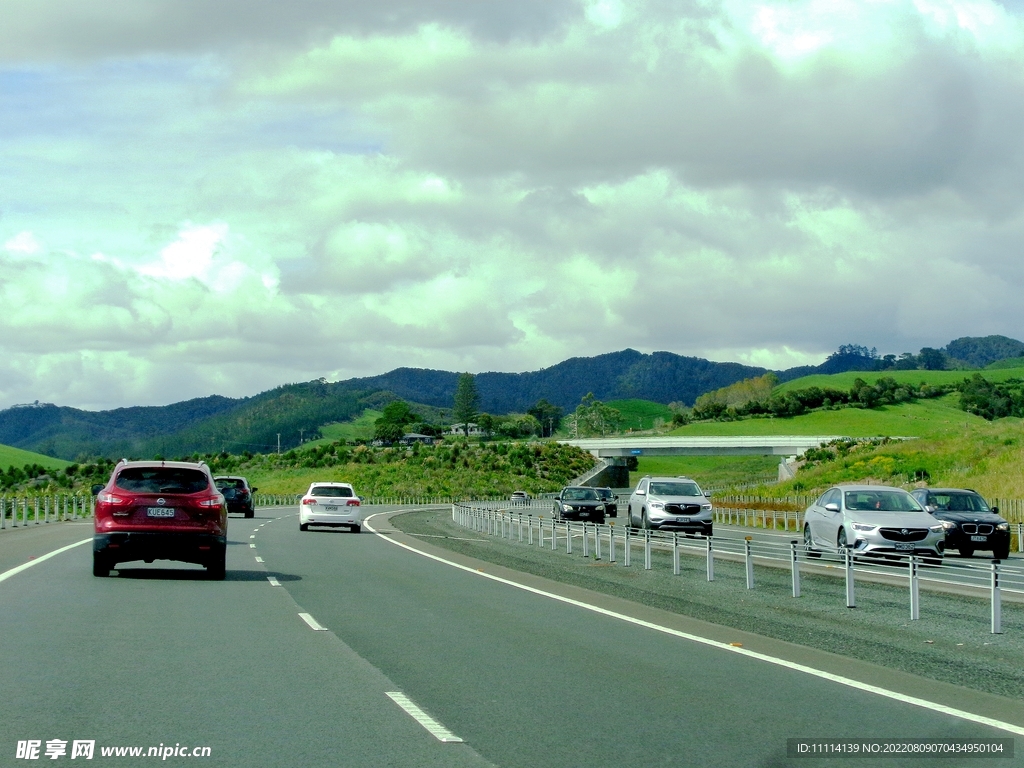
<point>871,519</point>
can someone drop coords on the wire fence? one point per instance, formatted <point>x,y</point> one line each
<point>21,511</point>
<point>619,544</point>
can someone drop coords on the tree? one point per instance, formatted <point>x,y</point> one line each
<point>548,415</point>
<point>932,359</point>
<point>393,421</point>
<point>466,401</point>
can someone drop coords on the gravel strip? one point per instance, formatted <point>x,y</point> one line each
<point>951,642</point>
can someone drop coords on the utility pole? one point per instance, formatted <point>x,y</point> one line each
<point>300,435</point>
<point>278,443</point>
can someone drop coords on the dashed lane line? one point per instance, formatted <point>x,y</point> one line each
<point>259,559</point>
<point>433,727</point>
<point>273,582</point>
<point>313,623</point>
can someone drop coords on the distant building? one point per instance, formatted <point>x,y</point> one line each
<point>460,429</point>
<point>415,437</point>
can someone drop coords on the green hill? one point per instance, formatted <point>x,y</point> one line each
<point>359,428</point>
<point>640,414</point>
<point>925,418</point>
<point>15,457</point>
<point>1010,362</point>
<point>845,380</point>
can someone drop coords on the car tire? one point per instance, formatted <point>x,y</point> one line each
<point>356,529</point>
<point>100,565</point>
<point>217,570</point>
<point>303,526</point>
<point>250,513</point>
<point>966,551</point>
<point>1003,553</point>
<point>809,543</point>
<point>645,524</point>
<point>841,543</point>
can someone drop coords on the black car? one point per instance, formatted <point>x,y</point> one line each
<point>237,493</point>
<point>971,524</point>
<point>578,503</point>
<point>611,502</point>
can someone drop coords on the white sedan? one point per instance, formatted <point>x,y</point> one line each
<point>330,504</point>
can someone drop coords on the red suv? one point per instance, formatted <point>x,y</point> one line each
<point>160,510</point>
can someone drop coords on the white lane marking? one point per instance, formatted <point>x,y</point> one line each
<point>850,683</point>
<point>313,623</point>
<point>252,546</point>
<point>18,569</point>
<point>273,582</point>
<point>259,559</point>
<point>433,727</point>
<point>253,536</point>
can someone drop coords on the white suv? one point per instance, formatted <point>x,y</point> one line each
<point>671,504</point>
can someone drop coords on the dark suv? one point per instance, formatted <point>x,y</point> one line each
<point>160,510</point>
<point>579,503</point>
<point>611,501</point>
<point>237,494</point>
<point>970,523</point>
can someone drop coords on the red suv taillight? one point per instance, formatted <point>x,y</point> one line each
<point>213,501</point>
<point>309,501</point>
<point>109,498</point>
<point>352,503</point>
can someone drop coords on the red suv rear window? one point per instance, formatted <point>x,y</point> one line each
<point>162,480</point>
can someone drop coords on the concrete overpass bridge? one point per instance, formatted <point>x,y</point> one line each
<point>616,450</point>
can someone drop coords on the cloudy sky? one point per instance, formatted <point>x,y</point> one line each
<point>220,196</point>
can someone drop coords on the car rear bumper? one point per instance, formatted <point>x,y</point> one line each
<point>344,516</point>
<point>588,516</point>
<point>201,548</point>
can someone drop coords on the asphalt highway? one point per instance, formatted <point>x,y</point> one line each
<point>157,655</point>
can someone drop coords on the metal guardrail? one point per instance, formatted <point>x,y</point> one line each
<point>18,512</point>
<point>605,541</point>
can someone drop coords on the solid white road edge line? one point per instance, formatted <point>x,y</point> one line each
<point>433,727</point>
<point>313,623</point>
<point>7,574</point>
<point>856,684</point>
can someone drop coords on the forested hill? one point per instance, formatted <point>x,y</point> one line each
<point>663,377</point>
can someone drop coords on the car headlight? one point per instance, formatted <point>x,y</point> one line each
<point>705,507</point>
<point>948,525</point>
<point>657,505</point>
<point>1003,527</point>
<point>567,507</point>
<point>941,526</point>
<point>864,527</point>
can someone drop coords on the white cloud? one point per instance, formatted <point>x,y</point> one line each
<point>347,191</point>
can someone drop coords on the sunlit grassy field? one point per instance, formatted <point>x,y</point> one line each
<point>713,471</point>
<point>640,414</point>
<point>925,418</point>
<point>16,457</point>
<point>360,428</point>
<point>845,380</point>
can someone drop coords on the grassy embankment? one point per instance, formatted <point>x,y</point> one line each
<point>16,457</point>
<point>360,428</point>
<point>952,448</point>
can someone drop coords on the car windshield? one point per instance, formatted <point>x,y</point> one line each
<point>579,494</point>
<point>162,480</point>
<point>958,502</point>
<point>882,501</point>
<point>675,489</point>
<point>604,493</point>
<point>229,483</point>
<point>334,491</point>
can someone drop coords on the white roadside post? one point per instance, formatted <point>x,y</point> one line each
<point>915,593</point>
<point>647,549</point>
<point>611,543</point>
<point>675,553</point>
<point>748,559</point>
<point>997,601</point>
<point>586,542</point>
<point>851,601</point>
<point>627,547</point>
<point>711,560</point>
<point>794,565</point>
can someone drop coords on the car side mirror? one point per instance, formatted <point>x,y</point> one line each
<point>96,489</point>
<point>253,490</point>
<point>930,509</point>
<point>832,507</point>
<point>995,510</point>
<point>707,494</point>
<point>640,493</point>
